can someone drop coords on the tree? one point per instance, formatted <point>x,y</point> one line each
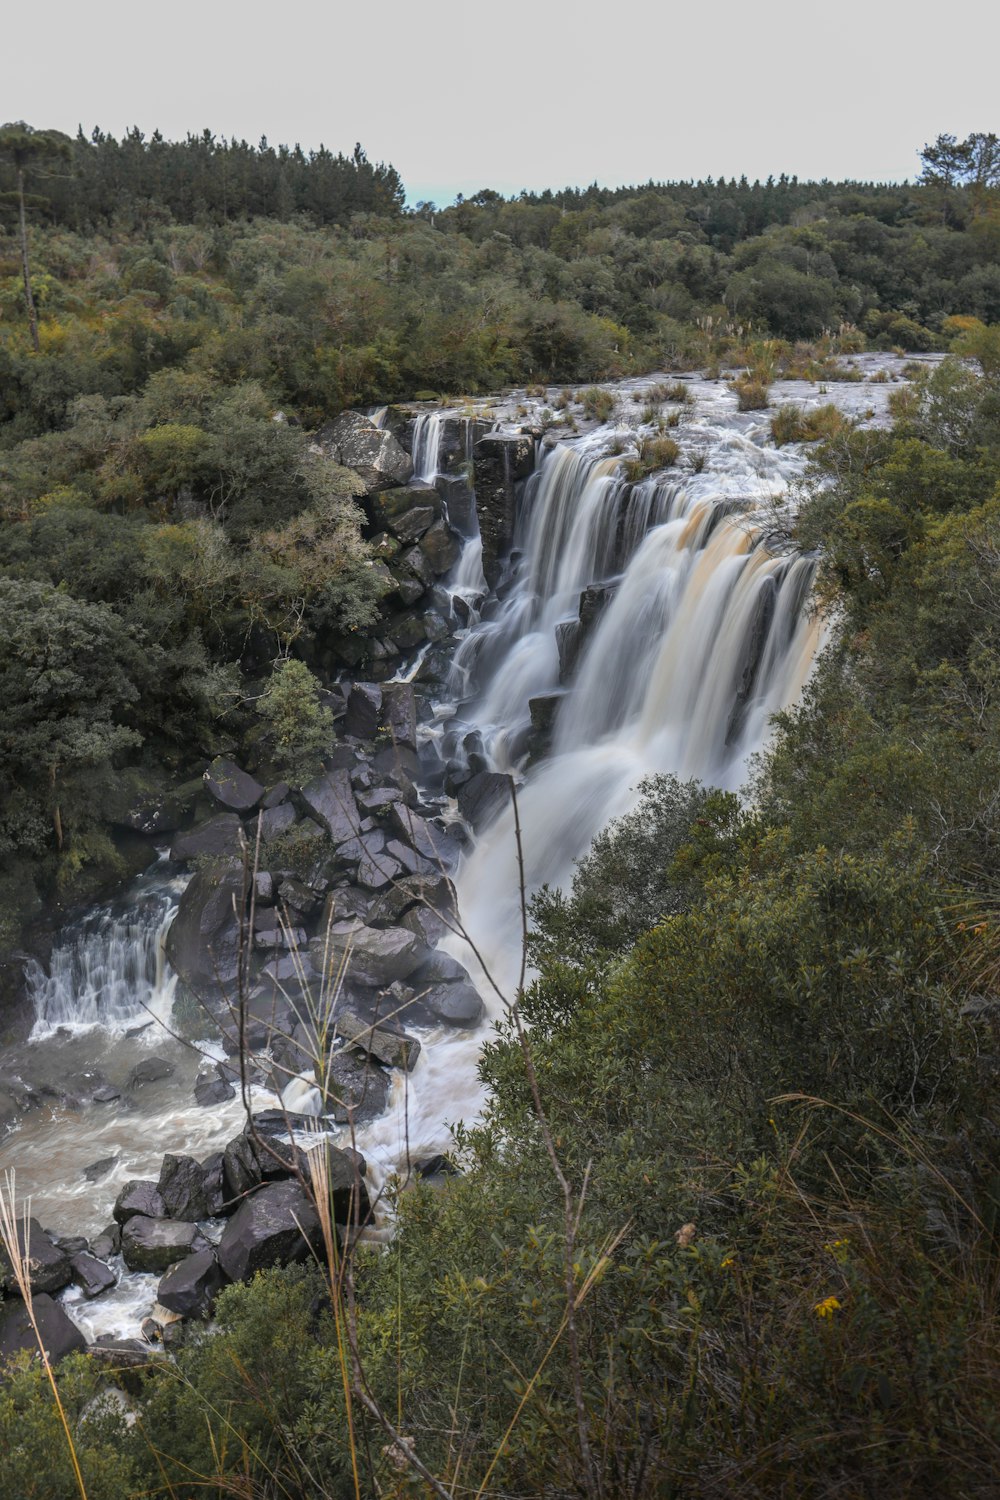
<point>26,150</point>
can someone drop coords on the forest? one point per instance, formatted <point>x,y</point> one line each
<point>729,1227</point>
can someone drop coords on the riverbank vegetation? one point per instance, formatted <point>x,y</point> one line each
<point>763,1039</point>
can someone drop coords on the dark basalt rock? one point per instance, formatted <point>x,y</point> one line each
<point>378,955</point>
<point>138,1196</point>
<point>330,799</point>
<point>364,706</point>
<point>48,1266</point>
<point>154,1244</point>
<point>399,713</point>
<point>220,837</point>
<point>59,1334</point>
<point>229,784</point>
<point>432,844</point>
<point>203,943</point>
<point>500,462</point>
<point>394,1049</point>
<point>107,1243</point>
<point>275,1227</point>
<point>191,1287</point>
<point>483,796</point>
<point>182,1188</point>
<point>210,1089</point>
<point>275,820</point>
<point>92,1275</point>
<point>406,511</point>
<point>240,1168</point>
<point>99,1169</point>
<point>150,1070</point>
<point>356,1089</point>
<point>453,1004</point>
<point>440,547</point>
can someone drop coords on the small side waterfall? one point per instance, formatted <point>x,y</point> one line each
<point>427,431</point>
<point>109,969</point>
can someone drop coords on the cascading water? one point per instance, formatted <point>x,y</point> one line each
<point>427,431</point>
<point>109,969</point>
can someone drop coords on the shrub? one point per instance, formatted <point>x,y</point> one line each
<point>752,393</point>
<point>794,424</point>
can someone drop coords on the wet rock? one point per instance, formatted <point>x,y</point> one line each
<point>354,1090</point>
<point>276,795</point>
<point>106,1094</point>
<point>378,955</point>
<point>91,1275</point>
<point>459,503</point>
<point>543,710</point>
<point>71,1244</point>
<point>342,1171</point>
<point>120,1357</point>
<point>419,567</point>
<point>230,785</point>
<point>399,713</point>
<point>275,1227</point>
<point>441,968</point>
<point>210,1089</point>
<point>263,888</point>
<point>364,708</point>
<point>182,1188</point>
<point>440,547</point>
<point>240,1168</point>
<point>432,844</point>
<point>374,455</point>
<point>220,837</point>
<point>330,799</point>
<point>138,1196</point>
<point>500,463</point>
<point>453,1004</point>
<point>428,926</point>
<point>150,1070</point>
<point>483,796</point>
<point>394,1049</point>
<point>203,943</point>
<point>213,1183</point>
<point>99,1169</point>
<point>154,1244</point>
<point>59,1334</point>
<point>190,1288</point>
<point>48,1267</point>
<point>107,1243</point>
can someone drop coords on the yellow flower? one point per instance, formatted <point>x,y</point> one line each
<point>730,1260</point>
<point>827,1307</point>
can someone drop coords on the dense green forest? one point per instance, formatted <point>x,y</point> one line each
<point>729,1228</point>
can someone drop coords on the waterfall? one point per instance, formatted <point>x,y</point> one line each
<point>109,968</point>
<point>428,429</point>
<point>697,635</point>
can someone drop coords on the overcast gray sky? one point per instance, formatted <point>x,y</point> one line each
<point>460,96</point>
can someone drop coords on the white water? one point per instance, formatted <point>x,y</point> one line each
<point>427,430</point>
<point>705,637</point>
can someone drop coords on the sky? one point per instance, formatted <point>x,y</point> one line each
<point>460,96</point>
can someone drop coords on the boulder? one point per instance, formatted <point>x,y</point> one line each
<point>330,799</point>
<point>182,1188</point>
<point>191,1287</point>
<point>395,1049</point>
<point>210,1089</point>
<point>99,1169</point>
<point>220,837</point>
<point>483,796</point>
<point>364,708</point>
<point>139,1196</point>
<point>374,455</point>
<point>107,1243</point>
<point>428,926</point>
<point>454,1004</point>
<point>459,503</point>
<point>154,1244</point>
<point>440,547</point>
<point>406,511</point>
<point>378,955</point>
<point>354,1089</point>
<point>432,844</point>
<point>500,462</point>
<point>240,1168</point>
<point>399,714</point>
<point>59,1334</point>
<point>150,1070</point>
<point>48,1266</point>
<point>91,1275</point>
<point>276,1226</point>
<point>229,784</point>
<point>203,943</point>
<point>275,820</point>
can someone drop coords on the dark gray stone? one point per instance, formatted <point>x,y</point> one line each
<point>203,943</point>
<point>240,1168</point>
<point>453,1004</point>
<point>440,547</point>
<point>330,799</point>
<point>182,1188</point>
<point>99,1169</point>
<point>277,794</point>
<point>91,1275</point>
<point>230,785</point>
<point>48,1266</point>
<point>500,462</point>
<point>364,708</point>
<point>354,1089</point>
<point>484,796</point>
<point>191,1288</point>
<point>394,1049</point>
<point>406,511</point>
<point>220,837</point>
<point>138,1196</point>
<point>275,820</point>
<point>275,1227</point>
<point>399,713</point>
<point>150,1070</point>
<point>59,1334</point>
<point>154,1244</point>
<point>431,843</point>
<point>210,1089</point>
